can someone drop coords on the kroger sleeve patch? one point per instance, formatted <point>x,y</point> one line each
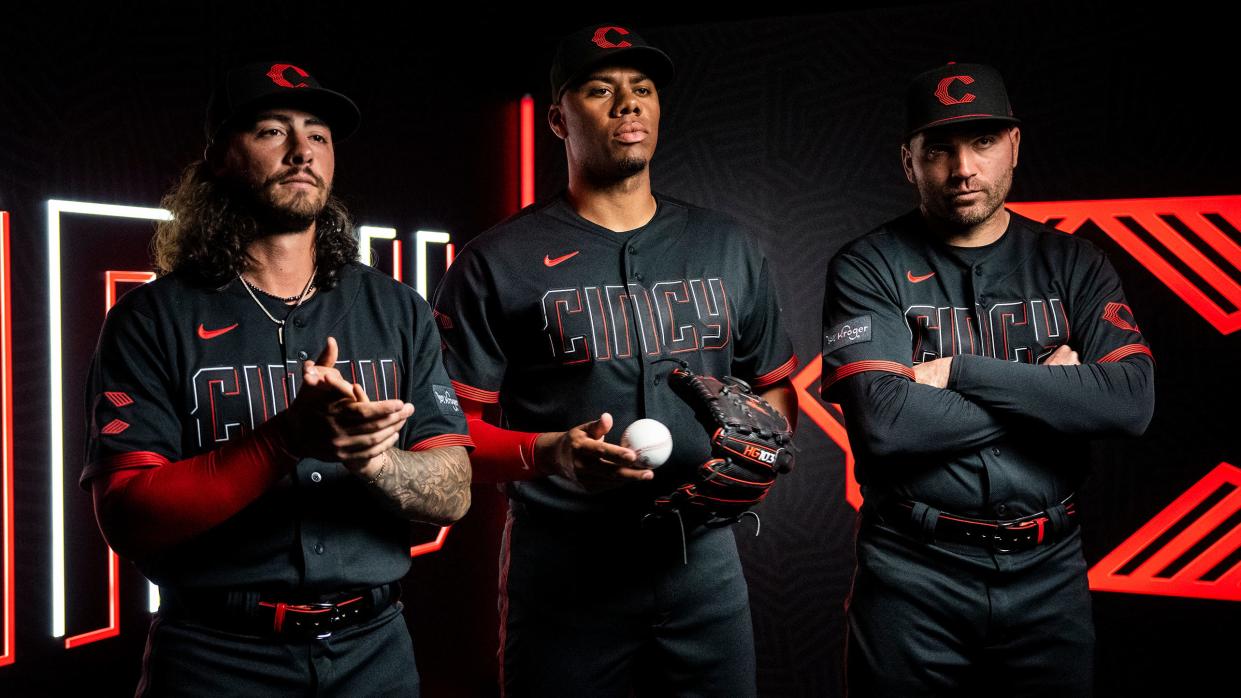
<point>853,331</point>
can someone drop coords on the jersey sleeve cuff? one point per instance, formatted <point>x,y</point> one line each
<point>1126,351</point>
<point>856,367</point>
<point>777,374</point>
<point>443,440</point>
<point>954,371</point>
<point>122,461</point>
<point>488,397</point>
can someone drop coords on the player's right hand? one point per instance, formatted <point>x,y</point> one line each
<point>581,454</point>
<point>327,421</point>
<point>1063,356</point>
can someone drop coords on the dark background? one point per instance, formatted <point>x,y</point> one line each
<point>788,120</point>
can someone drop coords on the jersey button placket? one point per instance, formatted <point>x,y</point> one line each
<point>627,252</point>
<point>980,297</point>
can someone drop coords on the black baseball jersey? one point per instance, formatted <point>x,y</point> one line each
<point>179,370</point>
<point>1007,437</point>
<point>559,319</point>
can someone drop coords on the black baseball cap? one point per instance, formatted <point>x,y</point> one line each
<point>244,90</point>
<point>599,44</point>
<point>956,93</point>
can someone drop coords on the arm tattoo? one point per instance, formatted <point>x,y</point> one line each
<point>431,486</point>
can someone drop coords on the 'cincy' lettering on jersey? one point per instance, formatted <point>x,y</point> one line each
<point>230,400</point>
<point>598,323</point>
<point>1023,331</point>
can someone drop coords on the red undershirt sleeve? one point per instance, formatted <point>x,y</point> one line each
<point>500,455</point>
<point>145,509</point>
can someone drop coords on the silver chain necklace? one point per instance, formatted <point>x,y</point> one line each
<point>299,298</point>
<point>282,299</point>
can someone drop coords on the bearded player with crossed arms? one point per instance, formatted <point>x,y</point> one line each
<point>559,316</point>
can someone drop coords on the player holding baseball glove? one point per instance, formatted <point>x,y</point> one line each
<point>751,442</point>
<point>557,317</point>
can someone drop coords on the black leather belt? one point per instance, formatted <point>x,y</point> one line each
<point>1001,536</point>
<point>254,614</point>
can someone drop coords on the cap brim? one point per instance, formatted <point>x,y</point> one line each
<point>962,119</point>
<point>655,63</point>
<point>340,113</point>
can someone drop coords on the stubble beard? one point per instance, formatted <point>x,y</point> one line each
<point>618,170</point>
<point>968,217</point>
<point>293,213</point>
<point>631,165</point>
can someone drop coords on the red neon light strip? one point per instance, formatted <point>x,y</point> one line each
<point>527,150</point>
<point>396,260</point>
<point>111,279</point>
<point>815,409</point>
<point>432,547</point>
<point>451,252</point>
<point>6,465</point>
<point>114,602</point>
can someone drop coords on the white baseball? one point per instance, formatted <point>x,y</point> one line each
<point>650,440</point>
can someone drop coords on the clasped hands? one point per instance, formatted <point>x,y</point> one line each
<point>332,419</point>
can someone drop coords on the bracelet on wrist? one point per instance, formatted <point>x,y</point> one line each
<point>379,473</point>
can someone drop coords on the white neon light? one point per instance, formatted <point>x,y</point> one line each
<point>368,233</point>
<point>421,239</point>
<point>8,640</point>
<point>55,208</point>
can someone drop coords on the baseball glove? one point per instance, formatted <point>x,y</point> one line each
<point>751,442</point>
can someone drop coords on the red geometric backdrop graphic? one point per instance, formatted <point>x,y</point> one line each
<point>1192,548</point>
<point>1191,244</point>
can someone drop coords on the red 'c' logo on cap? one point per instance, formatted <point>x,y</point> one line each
<point>277,75</point>
<point>601,37</point>
<point>941,92</point>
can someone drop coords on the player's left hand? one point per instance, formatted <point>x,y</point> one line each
<point>336,419</point>
<point>934,373</point>
<point>361,416</point>
<point>581,454</point>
